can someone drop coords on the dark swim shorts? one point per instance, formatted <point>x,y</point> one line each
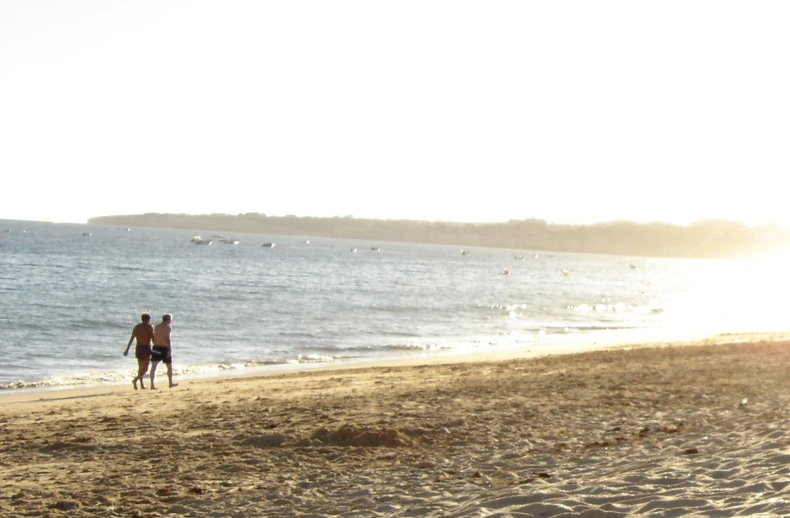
<point>142,352</point>
<point>161,354</point>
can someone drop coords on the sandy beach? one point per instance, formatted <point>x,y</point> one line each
<point>672,430</point>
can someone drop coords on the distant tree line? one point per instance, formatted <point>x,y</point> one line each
<point>704,239</point>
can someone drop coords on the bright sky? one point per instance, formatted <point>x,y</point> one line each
<point>569,111</point>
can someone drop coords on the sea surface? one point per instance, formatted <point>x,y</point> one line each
<point>70,295</point>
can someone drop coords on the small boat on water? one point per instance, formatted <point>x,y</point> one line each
<point>565,272</point>
<point>352,249</point>
<point>231,241</point>
<point>465,252</point>
<point>200,241</point>
<point>375,248</point>
<point>268,245</point>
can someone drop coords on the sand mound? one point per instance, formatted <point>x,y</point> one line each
<point>350,435</point>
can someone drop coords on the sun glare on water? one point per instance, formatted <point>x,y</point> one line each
<point>748,295</point>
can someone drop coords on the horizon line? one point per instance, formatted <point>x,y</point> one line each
<point>492,222</point>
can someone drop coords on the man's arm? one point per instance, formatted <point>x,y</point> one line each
<point>131,339</point>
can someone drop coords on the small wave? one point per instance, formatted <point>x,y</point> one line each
<point>67,381</point>
<point>505,307</point>
<point>416,347</point>
<point>601,307</point>
<point>128,268</point>
<point>247,364</point>
<point>583,328</point>
<point>314,358</point>
<point>614,307</point>
<point>103,378</point>
<point>228,298</point>
<point>99,324</point>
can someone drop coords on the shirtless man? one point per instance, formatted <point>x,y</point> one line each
<point>144,333</point>
<point>161,350</point>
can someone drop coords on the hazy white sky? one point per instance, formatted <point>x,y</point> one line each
<point>570,111</point>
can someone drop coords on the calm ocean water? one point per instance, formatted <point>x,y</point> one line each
<point>70,294</point>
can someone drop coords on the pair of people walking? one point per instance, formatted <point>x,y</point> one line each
<point>159,335</point>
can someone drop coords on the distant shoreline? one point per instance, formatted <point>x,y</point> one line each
<point>710,239</point>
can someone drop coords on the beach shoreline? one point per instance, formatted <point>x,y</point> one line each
<point>641,429</point>
<point>567,344</point>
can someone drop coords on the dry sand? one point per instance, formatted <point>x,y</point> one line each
<point>660,431</point>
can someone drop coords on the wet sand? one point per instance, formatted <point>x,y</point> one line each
<point>672,430</point>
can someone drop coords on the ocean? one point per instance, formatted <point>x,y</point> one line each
<point>70,295</point>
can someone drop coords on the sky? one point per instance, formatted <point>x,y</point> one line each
<point>568,111</point>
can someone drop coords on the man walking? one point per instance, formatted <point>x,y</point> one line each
<point>144,333</point>
<point>161,352</point>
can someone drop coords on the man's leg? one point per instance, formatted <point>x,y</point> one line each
<point>153,373</point>
<point>143,369</point>
<point>170,375</point>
